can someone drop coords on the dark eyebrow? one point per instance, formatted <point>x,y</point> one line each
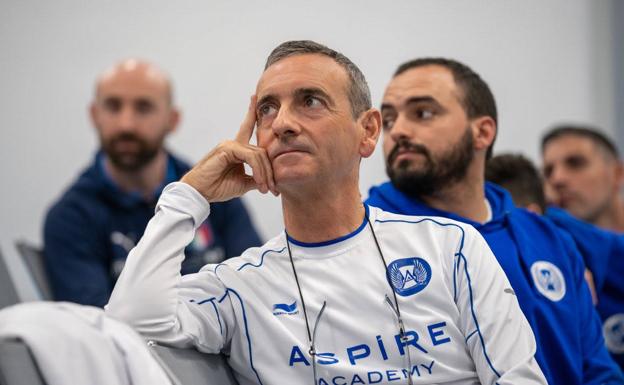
<point>144,100</point>
<point>412,100</point>
<point>265,99</point>
<point>313,91</point>
<point>110,97</point>
<point>386,106</point>
<point>575,158</point>
<point>298,93</point>
<point>421,99</point>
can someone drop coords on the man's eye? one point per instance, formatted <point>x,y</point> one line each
<point>266,110</point>
<point>311,101</point>
<point>424,114</point>
<point>576,162</point>
<point>144,106</point>
<point>387,123</point>
<point>112,105</point>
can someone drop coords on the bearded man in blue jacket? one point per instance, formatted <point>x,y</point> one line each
<point>440,122</point>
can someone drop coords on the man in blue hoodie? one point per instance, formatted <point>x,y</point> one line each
<point>439,122</point>
<point>517,174</point>
<point>90,230</point>
<point>584,173</point>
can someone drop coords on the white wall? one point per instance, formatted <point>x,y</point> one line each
<point>545,62</point>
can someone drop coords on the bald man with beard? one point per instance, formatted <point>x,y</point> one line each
<point>90,229</point>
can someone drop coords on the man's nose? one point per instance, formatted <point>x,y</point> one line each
<point>285,123</point>
<point>558,176</point>
<point>127,119</point>
<point>400,130</point>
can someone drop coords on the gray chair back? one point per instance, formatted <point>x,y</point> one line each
<point>190,367</point>
<point>8,292</point>
<point>33,257</point>
<point>184,366</point>
<point>17,365</point>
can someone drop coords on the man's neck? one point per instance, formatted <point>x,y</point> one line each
<point>465,198</point>
<point>145,180</point>
<point>612,218</point>
<point>324,213</point>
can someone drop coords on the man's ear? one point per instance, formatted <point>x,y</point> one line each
<point>619,174</point>
<point>93,114</point>
<point>174,119</point>
<point>483,132</point>
<point>370,123</point>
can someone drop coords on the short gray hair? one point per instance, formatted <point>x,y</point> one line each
<point>358,91</point>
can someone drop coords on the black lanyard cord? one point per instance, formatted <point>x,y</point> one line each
<point>394,306</point>
<point>396,301</point>
<point>305,313</point>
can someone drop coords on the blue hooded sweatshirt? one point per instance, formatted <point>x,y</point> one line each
<point>603,252</point>
<point>90,230</point>
<point>596,245</point>
<point>547,274</point>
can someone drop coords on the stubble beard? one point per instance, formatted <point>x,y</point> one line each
<point>131,161</point>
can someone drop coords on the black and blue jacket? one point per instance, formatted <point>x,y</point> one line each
<point>90,230</point>
<point>546,272</point>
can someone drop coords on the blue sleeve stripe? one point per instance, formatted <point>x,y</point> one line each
<point>224,295</point>
<point>249,263</point>
<point>214,305</point>
<point>246,333</point>
<point>463,257</point>
<point>203,301</point>
<point>455,272</point>
<point>461,242</point>
<point>211,300</point>
<point>470,335</point>
<point>261,258</point>
<point>474,317</point>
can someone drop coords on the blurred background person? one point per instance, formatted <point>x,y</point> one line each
<point>584,174</point>
<point>517,174</point>
<point>89,231</point>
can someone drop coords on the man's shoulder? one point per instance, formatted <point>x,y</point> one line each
<point>538,226</point>
<point>541,234</point>
<point>384,216</point>
<point>82,196</point>
<point>423,225</point>
<point>255,259</point>
<point>180,164</point>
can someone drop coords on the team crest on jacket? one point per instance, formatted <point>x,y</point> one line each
<point>613,330</point>
<point>548,280</point>
<point>409,276</point>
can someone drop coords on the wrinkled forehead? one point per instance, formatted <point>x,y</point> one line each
<point>430,80</point>
<point>284,77</point>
